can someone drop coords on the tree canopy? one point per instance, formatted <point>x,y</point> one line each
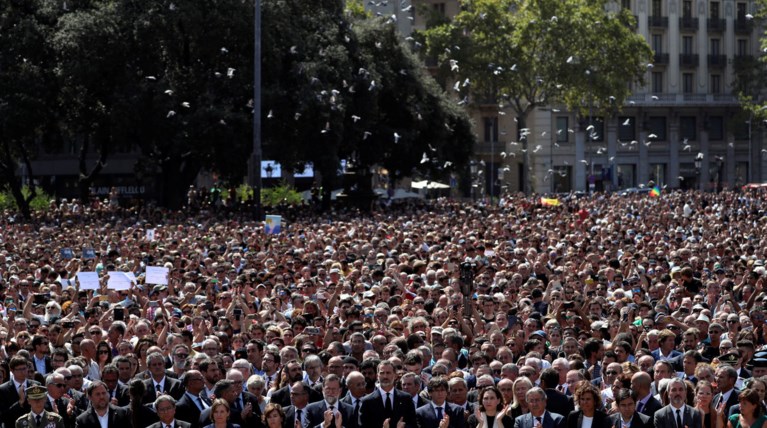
<point>523,54</point>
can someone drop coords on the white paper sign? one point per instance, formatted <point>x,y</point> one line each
<point>118,281</point>
<point>156,275</point>
<point>150,234</point>
<point>88,280</point>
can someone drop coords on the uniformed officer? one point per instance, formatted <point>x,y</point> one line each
<point>38,417</point>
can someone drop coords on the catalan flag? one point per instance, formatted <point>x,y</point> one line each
<point>655,192</point>
<point>550,202</point>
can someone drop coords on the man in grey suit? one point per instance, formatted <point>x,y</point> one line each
<point>539,417</point>
<point>677,414</point>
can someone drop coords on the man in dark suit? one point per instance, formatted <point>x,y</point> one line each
<point>12,404</point>
<point>165,406</point>
<point>627,415</point>
<point>296,412</point>
<point>556,402</point>
<point>118,394</point>
<point>295,374</point>
<point>324,413</point>
<point>41,359</point>
<point>458,393</point>
<point>159,383</point>
<point>385,402</point>
<point>411,383</point>
<point>646,404</point>
<point>189,407</point>
<point>726,376</point>
<point>538,416</point>
<point>355,383</point>
<point>98,395</point>
<point>245,403</point>
<point>430,415</point>
<point>56,386</point>
<point>677,413</point>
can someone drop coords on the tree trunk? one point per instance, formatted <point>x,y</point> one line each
<point>86,178</point>
<point>177,174</point>
<point>22,202</point>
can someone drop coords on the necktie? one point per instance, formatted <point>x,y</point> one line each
<point>298,417</point>
<point>357,408</point>
<point>333,419</point>
<point>679,419</point>
<point>389,407</point>
<point>37,420</point>
<point>439,413</point>
<point>538,421</point>
<point>640,407</point>
<point>158,389</point>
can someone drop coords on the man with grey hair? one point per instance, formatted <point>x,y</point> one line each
<point>510,371</point>
<point>56,385</point>
<point>411,383</point>
<point>313,371</point>
<point>256,385</point>
<point>562,366</point>
<point>677,413</point>
<point>458,394</point>
<point>165,406</point>
<point>538,416</point>
<point>244,402</point>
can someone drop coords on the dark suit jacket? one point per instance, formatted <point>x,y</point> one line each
<point>426,416</point>
<point>744,373</point>
<point>290,416</point>
<point>48,366</point>
<point>121,394</point>
<point>118,418</point>
<point>10,410</point>
<point>558,403</point>
<point>145,414</point>
<point>575,420</point>
<point>172,387</point>
<point>282,396</point>
<point>372,412</point>
<point>61,409</point>
<point>638,421</point>
<point>176,424</point>
<point>652,406</point>
<point>550,420</point>
<point>665,418</point>
<point>315,414</point>
<point>421,402</point>
<point>731,401</point>
<point>505,421</point>
<point>187,411</point>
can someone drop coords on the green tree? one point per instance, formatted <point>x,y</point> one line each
<point>523,54</point>
<point>27,91</point>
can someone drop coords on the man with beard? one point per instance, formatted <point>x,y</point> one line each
<point>385,402</point>
<point>102,414</point>
<point>677,413</point>
<point>325,412</point>
<point>295,374</point>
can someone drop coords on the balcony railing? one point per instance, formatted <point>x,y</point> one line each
<point>688,23</point>
<point>743,25</point>
<point>657,21</point>
<point>717,61</point>
<point>688,60</point>
<point>716,24</point>
<point>660,59</point>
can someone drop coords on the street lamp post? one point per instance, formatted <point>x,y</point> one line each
<point>254,172</point>
<point>698,162</point>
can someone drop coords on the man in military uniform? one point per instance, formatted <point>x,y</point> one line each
<point>38,417</point>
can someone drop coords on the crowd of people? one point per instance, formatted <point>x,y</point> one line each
<point>601,311</point>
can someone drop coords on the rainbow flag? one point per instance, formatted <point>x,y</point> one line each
<point>655,192</point>
<point>549,202</point>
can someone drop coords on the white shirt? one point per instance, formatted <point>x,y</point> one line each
<point>40,365</point>
<point>93,371</point>
<point>383,396</point>
<point>103,420</point>
<point>335,408</point>
<point>587,421</point>
<point>435,409</point>
<point>161,383</point>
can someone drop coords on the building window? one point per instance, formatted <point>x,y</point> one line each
<point>598,133</point>
<point>716,84</point>
<point>741,11</point>
<point>688,83</point>
<point>658,173</point>
<point>715,47</point>
<point>439,8</point>
<point>657,82</point>
<point>657,43</point>
<point>491,129</point>
<point>687,45</point>
<point>714,10</point>
<point>562,134</point>
<point>687,128</point>
<point>626,4</point>
<point>626,173</point>
<point>657,8</point>
<point>742,48</point>
<point>657,126</point>
<point>687,9</point>
<point>627,128</point>
<point>715,128</point>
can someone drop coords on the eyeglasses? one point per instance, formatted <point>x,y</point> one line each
<point>60,385</point>
<point>103,352</point>
<point>611,373</point>
<point>181,355</point>
<point>165,409</point>
<point>731,321</point>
